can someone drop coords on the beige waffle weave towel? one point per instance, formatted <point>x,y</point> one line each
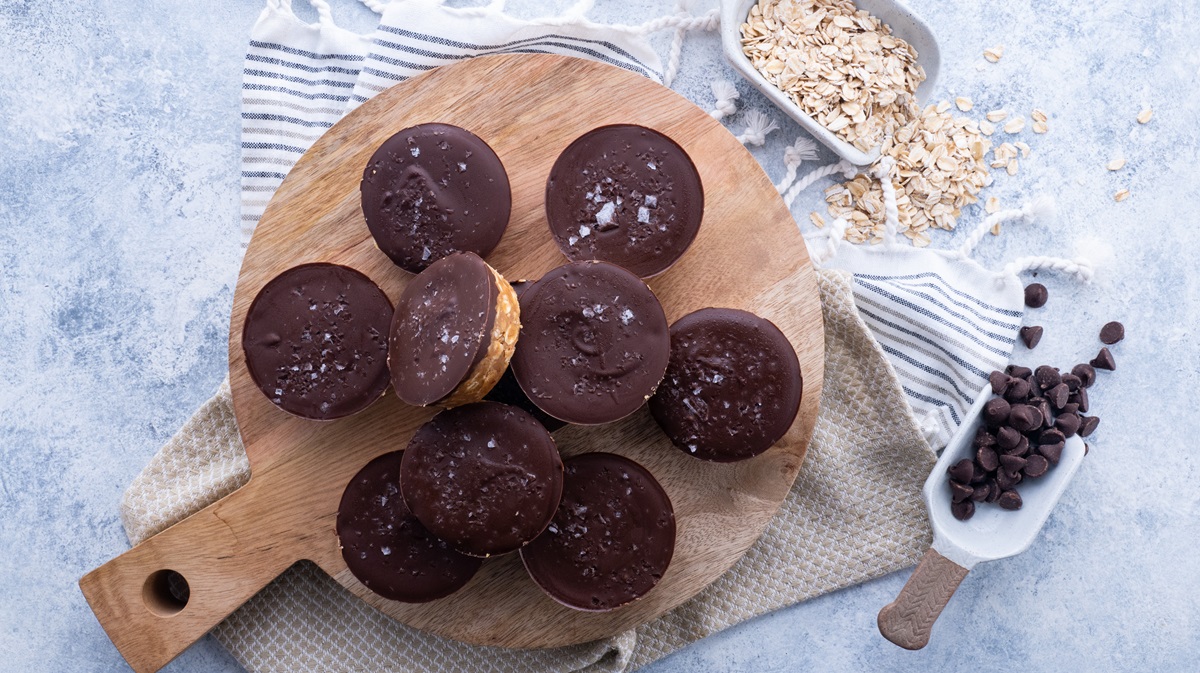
<point>855,513</point>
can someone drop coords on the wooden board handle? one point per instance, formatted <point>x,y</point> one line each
<point>908,620</point>
<point>224,558</point>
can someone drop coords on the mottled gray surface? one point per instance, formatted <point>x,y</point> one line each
<point>118,254</point>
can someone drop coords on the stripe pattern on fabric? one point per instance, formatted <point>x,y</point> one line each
<point>942,341</point>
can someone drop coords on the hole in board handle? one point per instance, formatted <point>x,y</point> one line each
<point>165,593</point>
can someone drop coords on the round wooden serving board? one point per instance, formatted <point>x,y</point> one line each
<point>749,254</point>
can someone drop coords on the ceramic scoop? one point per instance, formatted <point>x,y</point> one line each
<point>991,534</point>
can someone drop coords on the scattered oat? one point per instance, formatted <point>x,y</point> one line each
<point>1012,167</point>
<point>986,128</point>
<point>1116,164</point>
<point>940,168</point>
<point>1024,149</point>
<point>992,205</point>
<point>841,66</point>
<point>1145,115</point>
<point>1015,125</point>
<point>1039,127</point>
<point>993,54</point>
<point>996,229</point>
<point>997,115</point>
<point>964,104</point>
<point>817,220</point>
<point>1038,115</point>
<point>1121,195</point>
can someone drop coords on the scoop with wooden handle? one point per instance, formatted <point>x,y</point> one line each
<point>991,534</point>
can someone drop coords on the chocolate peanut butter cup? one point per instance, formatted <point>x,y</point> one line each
<point>625,194</point>
<point>384,545</point>
<point>485,477</point>
<point>610,541</point>
<point>315,341</point>
<point>434,189</point>
<point>732,387</point>
<point>594,343</point>
<point>455,328</point>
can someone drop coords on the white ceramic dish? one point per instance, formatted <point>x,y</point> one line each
<point>958,546</point>
<point>904,23</point>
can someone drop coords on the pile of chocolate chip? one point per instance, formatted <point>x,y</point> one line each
<point>1026,425</point>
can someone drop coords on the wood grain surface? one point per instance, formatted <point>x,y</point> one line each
<point>748,254</point>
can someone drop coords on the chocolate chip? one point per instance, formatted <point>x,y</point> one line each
<point>1104,360</point>
<point>1024,418</point>
<point>1086,374</point>
<point>959,492</point>
<point>1006,480</point>
<point>963,510</point>
<point>981,475</point>
<point>1017,391</point>
<point>1047,377</point>
<point>1080,397</point>
<point>993,491</point>
<point>1088,425</point>
<point>1021,449</point>
<point>987,458</point>
<point>1044,407</point>
<point>1018,372</point>
<point>1073,382</point>
<point>962,471</point>
<point>1013,463</point>
<point>1112,333</point>
<point>999,381</point>
<point>1069,408</point>
<point>1031,335</point>
<point>1052,437</point>
<point>980,493</point>
<point>1057,396</point>
<point>983,438</point>
<point>995,412</point>
<point>1052,452</point>
<point>1010,500</point>
<point>1006,438</point>
<point>1036,466</point>
<point>1036,295</point>
<point>1086,448</point>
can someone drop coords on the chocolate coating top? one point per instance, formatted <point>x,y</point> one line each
<point>315,340</point>
<point>384,545</point>
<point>485,477</point>
<point>733,386</point>
<point>508,391</point>
<point>593,345</point>
<point>442,328</point>
<point>625,194</point>
<point>611,539</point>
<point>434,189</point>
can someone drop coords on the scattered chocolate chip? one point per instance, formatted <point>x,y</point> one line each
<point>1057,396</point>
<point>1112,332</point>
<point>1018,390</point>
<point>962,471</point>
<point>1086,448</point>
<point>1052,452</point>
<point>1086,374</point>
<point>1088,425</point>
<point>984,438</point>
<point>963,510</point>
<point>1006,438</point>
<point>1005,480</point>
<point>1104,360</point>
<point>1018,372</point>
<point>995,412</point>
<point>1053,436</point>
<point>1073,382</point>
<point>987,459</point>
<point>1047,377</point>
<point>1044,407</point>
<point>981,475</point>
<point>1036,295</point>
<point>1021,449</point>
<point>1031,335</point>
<point>1070,408</point>
<point>1010,500</point>
<point>960,492</point>
<point>999,381</point>
<point>1024,418</point>
<point>1013,463</point>
<point>993,491</point>
<point>980,493</point>
<point>1036,466</point>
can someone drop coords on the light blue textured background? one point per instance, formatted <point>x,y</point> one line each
<point>118,257</point>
